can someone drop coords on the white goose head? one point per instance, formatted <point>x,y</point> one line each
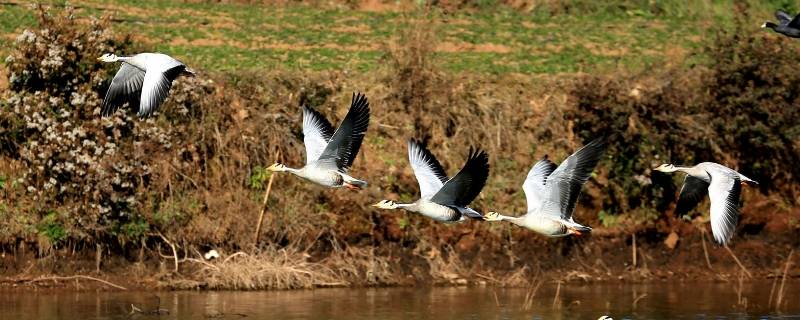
<point>386,204</point>
<point>666,168</point>
<point>108,57</point>
<point>277,167</point>
<point>492,216</point>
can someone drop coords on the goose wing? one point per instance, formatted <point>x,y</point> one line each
<point>155,88</point>
<point>783,17</point>
<point>534,185</point>
<point>564,184</point>
<point>343,147</point>
<point>429,172</point>
<point>460,190</point>
<point>795,22</point>
<point>317,131</point>
<point>724,191</point>
<point>692,192</point>
<point>125,87</point>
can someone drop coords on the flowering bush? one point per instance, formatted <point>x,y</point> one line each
<point>93,170</point>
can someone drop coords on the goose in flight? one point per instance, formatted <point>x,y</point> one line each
<point>443,199</point>
<point>330,154</point>
<point>143,81</point>
<point>723,186</point>
<point>787,25</point>
<point>552,191</point>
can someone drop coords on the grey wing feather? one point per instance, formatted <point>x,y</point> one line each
<point>564,184</point>
<point>783,17</point>
<point>317,131</point>
<point>692,192</point>
<point>428,171</point>
<point>343,147</point>
<point>795,23</point>
<point>155,89</point>
<point>125,87</point>
<point>462,188</point>
<point>534,185</point>
<point>724,191</point>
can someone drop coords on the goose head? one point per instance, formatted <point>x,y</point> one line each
<point>492,216</point>
<point>108,57</point>
<point>769,24</point>
<point>386,204</point>
<point>277,167</point>
<point>665,168</point>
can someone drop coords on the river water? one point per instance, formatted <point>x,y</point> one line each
<point>586,301</point>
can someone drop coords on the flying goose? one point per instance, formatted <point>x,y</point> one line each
<point>723,186</point>
<point>443,199</point>
<point>552,191</point>
<point>330,154</point>
<point>787,25</point>
<point>143,81</point>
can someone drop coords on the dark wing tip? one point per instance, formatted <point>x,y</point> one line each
<point>360,102</point>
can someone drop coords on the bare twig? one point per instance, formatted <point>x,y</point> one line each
<point>194,183</point>
<point>741,301</point>
<point>747,272</point>
<point>558,293</point>
<point>487,277</point>
<point>783,280</point>
<point>530,295</point>
<point>62,278</point>
<point>264,205</point>
<point>633,250</point>
<point>705,251</point>
<point>233,256</point>
<point>636,300</point>
<point>172,246</point>
<point>772,291</point>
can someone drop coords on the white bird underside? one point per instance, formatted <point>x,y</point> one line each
<point>444,199</point>
<point>143,81</point>
<point>724,188</point>
<point>329,153</point>
<point>551,192</point>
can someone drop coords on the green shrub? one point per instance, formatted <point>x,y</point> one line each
<point>740,111</point>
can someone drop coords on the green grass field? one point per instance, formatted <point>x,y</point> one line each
<point>227,37</point>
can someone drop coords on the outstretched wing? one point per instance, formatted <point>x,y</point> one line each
<point>125,87</point>
<point>564,184</point>
<point>783,17</point>
<point>346,141</point>
<point>692,192</point>
<point>795,23</point>
<point>427,169</point>
<point>155,89</point>
<point>724,191</point>
<point>317,131</point>
<point>460,190</point>
<point>534,185</point>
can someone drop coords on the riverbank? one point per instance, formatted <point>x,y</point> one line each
<point>139,203</point>
<point>524,261</point>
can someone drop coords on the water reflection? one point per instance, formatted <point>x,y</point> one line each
<point>641,301</point>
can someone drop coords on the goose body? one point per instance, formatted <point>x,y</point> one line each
<point>723,186</point>
<point>552,191</point>
<point>442,199</point>
<point>787,25</point>
<point>143,81</point>
<point>329,153</point>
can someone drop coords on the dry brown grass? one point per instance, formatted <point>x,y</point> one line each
<point>271,268</point>
<point>206,189</point>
